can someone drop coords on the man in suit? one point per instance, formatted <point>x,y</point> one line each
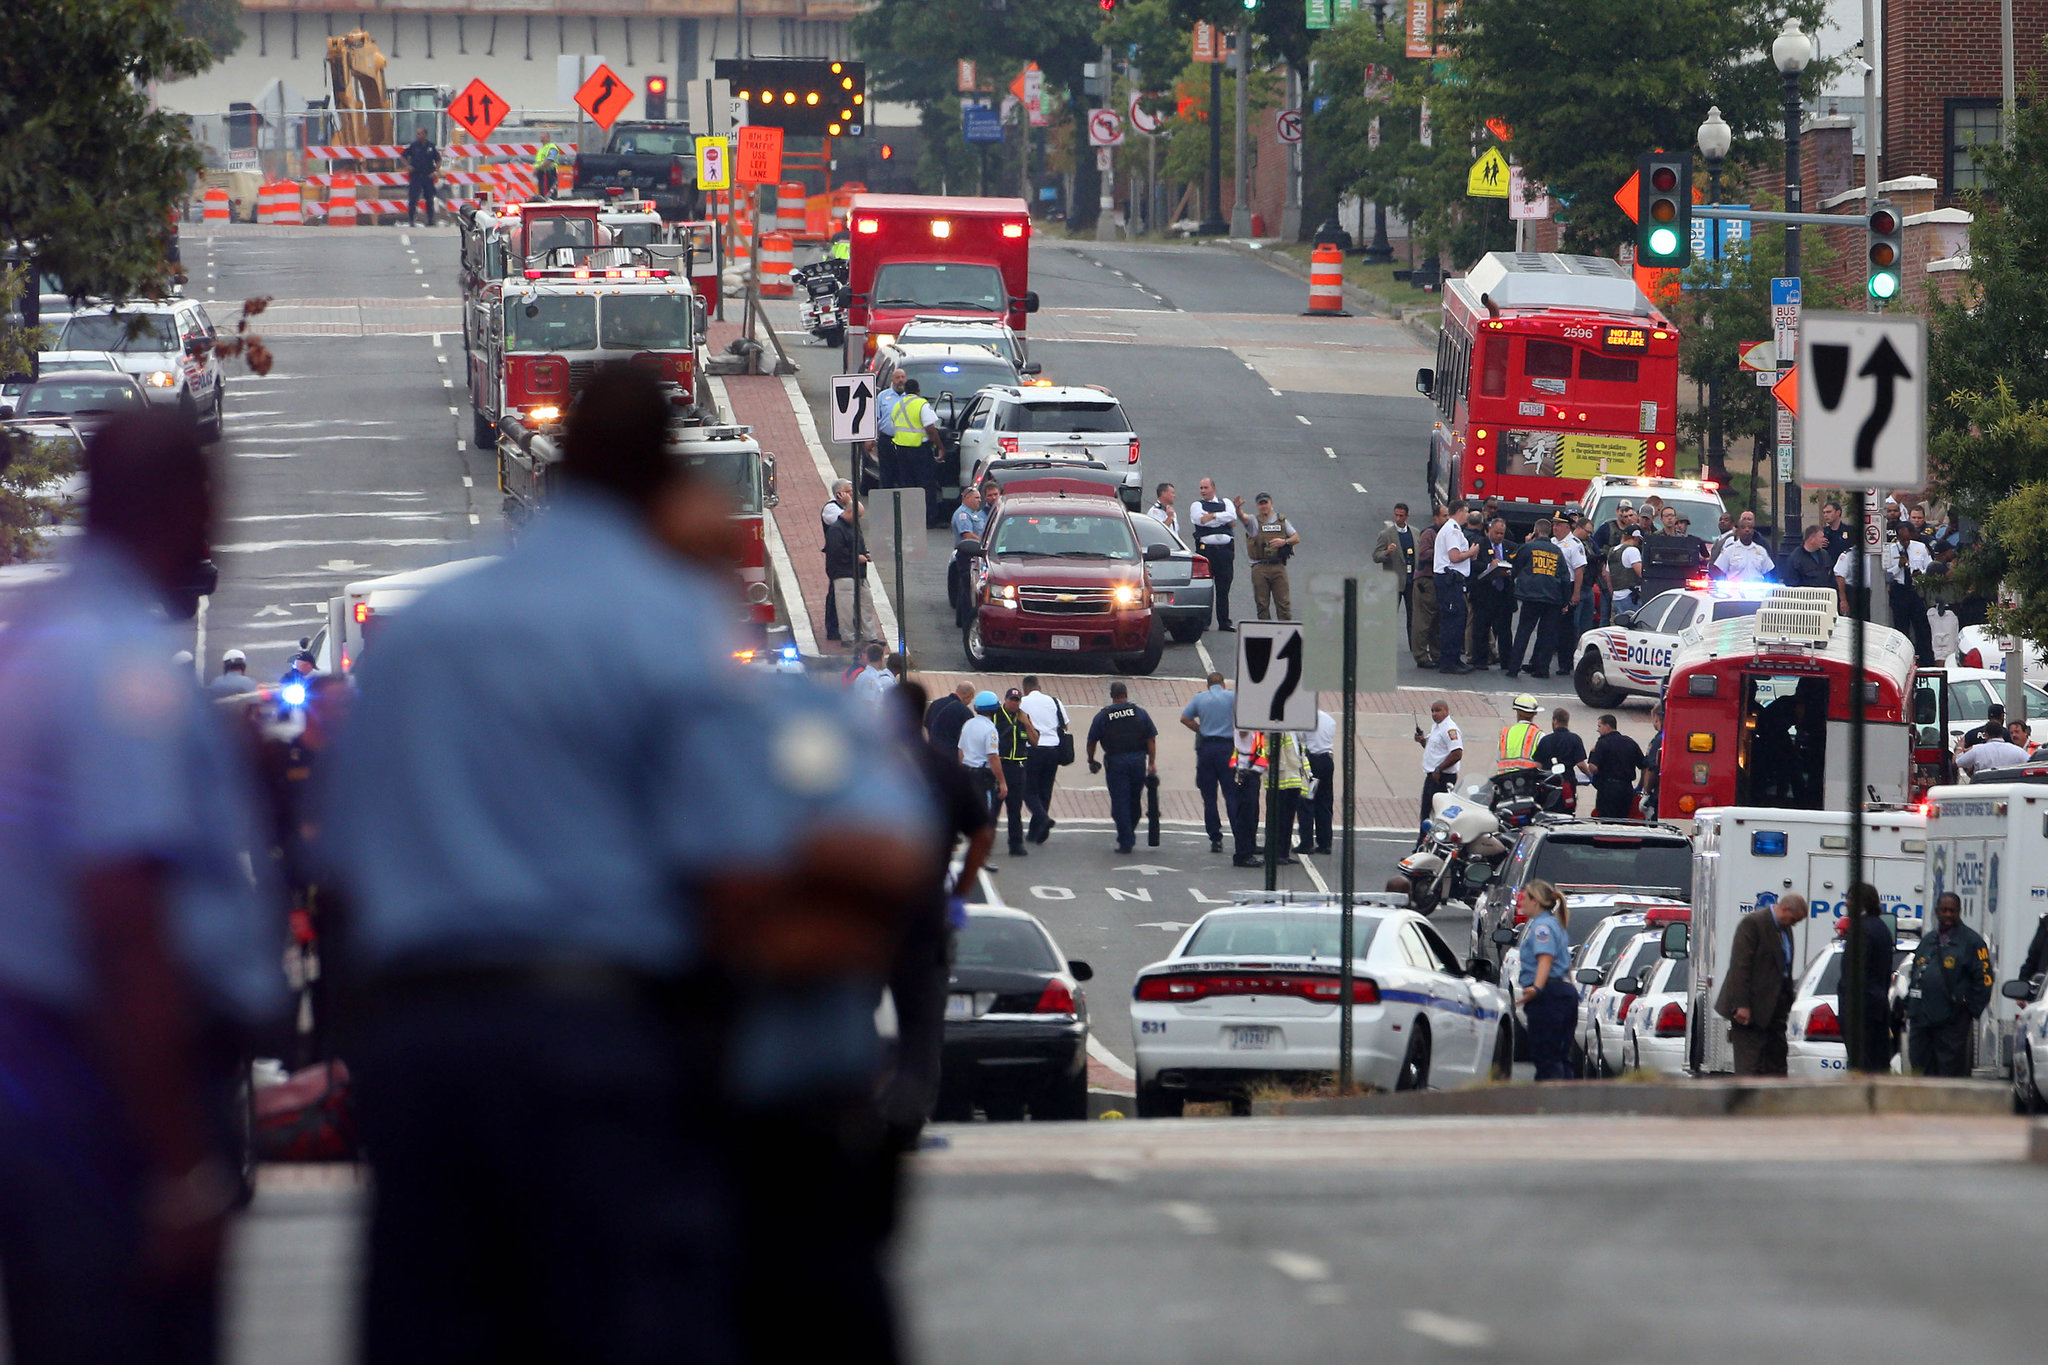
<point>1394,551</point>
<point>1756,997</point>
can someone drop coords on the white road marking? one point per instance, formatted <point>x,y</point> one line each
<point>1299,1265</point>
<point>1202,653</point>
<point>475,520</point>
<point>1113,1175</point>
<point>1303,420</point>
<point>468,482</point>
<point>1330,452</point>
<point>461,446</point>
<point>424,284</point>
<point>1447,1329</point>
<point>1101,1053</point>
<point>1359,487</point>
<point>1325,1293</point>
<point>443,357</point>
<point>1172,926</point>
<point>792,590</point>
<point>451,412</point>
<point>437,341</point>
<point>1275,392</point>
<point>251,547</point>
<point>884,613</point>
<point>1313,875</point>
<point>447,383</point>
<point>989,892</point>
<point>199,639</point>
<point>1194,1220</point>
<point>404,239</point>
<point>1249,366</point>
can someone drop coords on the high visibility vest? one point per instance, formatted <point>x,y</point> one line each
<point>1256,760</point>
<point>840,251</point>
<point>547,156</point>
<point>911,416</point>
<point>1518,745</point>
<point>1293,771</point>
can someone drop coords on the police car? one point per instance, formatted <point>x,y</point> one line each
<point>1606,1004</point>
<point>167,344</point>
<point>1653,1028</point>
<point>2029,1049</point>
<point>1632,657</point>
<point>1250,994</point>
<point>1813,1031</point>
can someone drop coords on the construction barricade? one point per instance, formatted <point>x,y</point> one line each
<point>215,205</point>
<point>278,203</point>
<point>778,258</point>
<point>789,209</point>
<point>341,201</point>
<point>1326,283</point>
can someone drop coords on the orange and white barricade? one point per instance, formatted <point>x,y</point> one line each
<point>789,209</point>
<point>341,202</point>
<point>278,202</point>
<point>778,258</point>
<point>1326,283</point>
<point>215,201</point>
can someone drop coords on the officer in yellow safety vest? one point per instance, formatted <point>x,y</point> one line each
<point>919,447</point>
<point>1248,774</point>
<point>1518,740</point>
<point>546,162</point>
<point>1291,789</point>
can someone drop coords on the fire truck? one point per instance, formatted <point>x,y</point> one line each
<point>1757,712</point>
<point>727,457</point>
<point>917,255</point>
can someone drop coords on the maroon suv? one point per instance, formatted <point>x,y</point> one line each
<point>1062,573</point>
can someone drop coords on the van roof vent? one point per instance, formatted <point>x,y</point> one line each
<point>1797,616</point>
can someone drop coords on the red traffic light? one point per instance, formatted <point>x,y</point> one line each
<point>888,152</point>
<point>657,85</point>
<point>1664,179</point>
<point>1107,6</point>
<point>1884,221</point>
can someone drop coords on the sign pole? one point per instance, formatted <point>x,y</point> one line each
<point>1346,864</point>
<point>1272,810</point>
<point>902,630</point>
<point>1851,994</point>
<point>860,536</point>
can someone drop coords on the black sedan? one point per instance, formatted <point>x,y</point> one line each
<point>1016,1022</point>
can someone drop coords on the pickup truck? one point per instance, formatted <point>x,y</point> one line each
<point>645,160</point>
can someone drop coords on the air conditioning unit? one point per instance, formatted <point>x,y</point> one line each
<point>1797,616</point>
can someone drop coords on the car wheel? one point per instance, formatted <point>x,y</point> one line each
<point>1187,634</point>
<point>836,337</point>
<point>1601,1070</point>
<point>483,430</point>
<point>1590,678</point>
<point>1145,663</point>
<point>2026,1092</point>
<point>980,659</point>
<point>210,429</point>
<point>1157,1102</point>
<point>1414,1073</point>
<point>1064,1099</point>
<point>1503,1068</point>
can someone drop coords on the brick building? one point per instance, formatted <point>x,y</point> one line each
<point>1942,84</point>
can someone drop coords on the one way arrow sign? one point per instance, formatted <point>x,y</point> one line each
<point>1863,400</point>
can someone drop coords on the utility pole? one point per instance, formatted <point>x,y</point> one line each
<point>1290,211</point>
<point>1791,51</point>
<point>1381,250</point>
<point>1241,210</point>
<point>1213,225</point>
<point>1105,216</point>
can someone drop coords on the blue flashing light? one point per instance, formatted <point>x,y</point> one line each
<point>294,694</point>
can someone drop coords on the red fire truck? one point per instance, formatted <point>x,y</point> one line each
<point>1756,712</point>
<point>1550,371</point>
<point>919,255</point>
<point>727,457</point>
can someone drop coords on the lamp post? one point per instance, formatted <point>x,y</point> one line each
<point>1791,51</point>
<point>1381,249</point>
<point>1715,139</point>
<point>1214,225</point>
<point>1240,205</point>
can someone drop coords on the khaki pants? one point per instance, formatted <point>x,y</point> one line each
<point>1269,591</point>
<point>1422,622</point>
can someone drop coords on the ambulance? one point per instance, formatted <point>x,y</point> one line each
<point>919,256</point>
<point>1988,843</point>
<point>1747,857</point>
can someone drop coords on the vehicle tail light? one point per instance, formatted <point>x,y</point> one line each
<point>1671,1021</point>
<point>362,612</point>
<point>675,174</point>
<point>1201,568</point>
<point>1013,229</point>
<point>1007,444</point>
<point>1621,1011</point>
<point>1134,451</point>
<point>1974,659</point>
<point>1202,985</point>
<point>1057,999</point>
<point>1520,916</point>
<point>1822,1023</point>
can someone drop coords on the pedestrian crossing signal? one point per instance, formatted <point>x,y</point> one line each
<point>1885,237</point>
<point>1664,210</point>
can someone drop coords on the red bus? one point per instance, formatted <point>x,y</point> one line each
<point>1550,370</point>
<point>1756,712</point>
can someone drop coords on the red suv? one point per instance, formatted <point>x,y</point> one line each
<point>1062,573</point>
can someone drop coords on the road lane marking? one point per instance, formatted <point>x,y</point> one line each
<point>437,343</point>
<point>447,383</point>
<point>404,239</point>
<point>1275,392</point>
<point>451,412</point>
<point>988,887</point>
<point>1313,875</point>
<point>1330,452</point>
<point>468,482</point>
<point>1359,487</point>
<point>1099,1050</point>
<point>885,614</point>
<point>1194,1220</point>
<point>461,446</point>
<point>1202,653</point>
<point>1303,420</point>
<point>792,591</point>
<point>1113,1175</point>
<point>1299,1265</point>
<point>475,520</point>
<point>1446,1329</point>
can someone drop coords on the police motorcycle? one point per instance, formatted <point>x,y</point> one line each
<point>1470,835</point>
<point>822,309</point>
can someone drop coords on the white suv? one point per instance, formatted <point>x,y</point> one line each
<point>170,352</point>
<point>996,336</point>
<point>1083,422</point>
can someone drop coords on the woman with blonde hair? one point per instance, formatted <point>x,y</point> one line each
<point>1547,999</point>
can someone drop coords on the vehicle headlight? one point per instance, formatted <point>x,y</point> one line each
<point>162,379</point>
<point>1007,592</point>
<point>1125,596</point>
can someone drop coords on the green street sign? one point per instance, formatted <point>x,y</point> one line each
<point>1446,74</point>
<point>1318,13</point>
<point>1346,8</point>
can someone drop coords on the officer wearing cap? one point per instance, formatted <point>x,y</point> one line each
<point>553,870</point>
<point>234,679</point>
<point>980,752</point>
<point>136,948</point>
<point>1130,752</point>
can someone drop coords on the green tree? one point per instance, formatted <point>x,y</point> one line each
<point>89,172</point>
<point>217,23</point>
<point>31,465</point>
<point>1590,86</point>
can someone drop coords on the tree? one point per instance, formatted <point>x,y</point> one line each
<point>31,465</point>
<point>1589,87</point>
<point>89,172</point>
<point>217,23</point>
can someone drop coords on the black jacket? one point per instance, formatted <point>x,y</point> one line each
<point>423,157</point>
<point>1802,569</point>
<point>1951,980</point>
<point>1540,574</point>
<point>840,561</point>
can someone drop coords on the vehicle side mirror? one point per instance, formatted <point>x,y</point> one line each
<point>769,497</point>
<point>1504,936</point>
<point>970,549</point>
<point>1629,985</point>
<point>1626,620</point>
<point>2017,989</point>
<point>846,297</point>
<point>1482,969</point>
<point>1425,382</point>
<point>1158,552</point>
<point>1031,300</point>
<point>1080,970</point>
<point>1588,976</point>
<point>1030,367</point>
<point>1677,941</point>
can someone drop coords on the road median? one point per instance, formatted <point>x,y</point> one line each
<point>1746,1098</point>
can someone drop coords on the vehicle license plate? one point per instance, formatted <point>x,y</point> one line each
<point>1254,1039</point>
<point>1162,599</point>
<point>960,1005</point>
<point>1066,642</point>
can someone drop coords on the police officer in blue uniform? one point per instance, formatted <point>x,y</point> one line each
<point>1130,752</point>
<point>135,949</point>
<point>1212,715</point>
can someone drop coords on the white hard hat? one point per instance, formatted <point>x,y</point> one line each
<point>234,656</point>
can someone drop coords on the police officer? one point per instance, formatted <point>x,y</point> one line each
<point>1542,587</point>
<point>980,753</point>
<point>547,163</point>
<point>1519,737</point>
<point>840,248</point>
<point>918,445</point>
<point>135,949</point>
<point>422,158</point>
<point>553,920</point>
<point>1452,558</point>
<point>1130,753</point>
<point>1950,984</point>
<point>887,473</point>
<point>1270,541</point>
<point>1215,521</point>
<point>1318,810</point>
<point>1247,776</point>
<point>1211,714</point>
<point>1016,738</point>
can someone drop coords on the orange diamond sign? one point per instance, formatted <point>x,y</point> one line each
<point>604,96</point>
<point>479,109</point>
<point>1626,196</point>
<point>1787,390</point>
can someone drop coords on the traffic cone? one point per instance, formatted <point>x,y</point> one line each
<point>1326,283</point>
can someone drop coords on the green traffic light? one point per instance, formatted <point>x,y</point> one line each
<point>1663,242</point>
<point>1883,284</point>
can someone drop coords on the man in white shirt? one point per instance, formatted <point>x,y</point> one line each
<point>1163,509</point>
<point>1989,754</point>
<point>978,753</point>
<point>1315,814</point>
<point>1043,769</point>
<point>1453,572</point>
<point>1743,558</point>
<point>1215,521</point>
<point>1442,751</point>
<point>1909,608</point>
<point>1578,609</point>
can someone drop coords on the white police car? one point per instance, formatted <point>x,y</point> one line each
<point>1653,1029</point>
<point>1606,999</point>
<point>1632,657</point>
<point>2029,1049</point>
<point>1813,1032</point>
<point>1250,994</point>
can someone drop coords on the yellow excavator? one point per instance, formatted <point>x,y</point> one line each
<point>355,81</point>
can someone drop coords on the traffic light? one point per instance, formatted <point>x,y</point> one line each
<point>657,97</point>
<point>1106,6</point>
<point>1251,4</point>
<point>805,96</point>
<point>1886,237</point>
<point>1664,210</point>
<point>888,152</point>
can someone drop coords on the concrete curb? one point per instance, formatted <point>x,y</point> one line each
<point>1676,1099</point>
<point>1362,299</point>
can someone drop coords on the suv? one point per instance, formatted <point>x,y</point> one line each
<point>1632,657</point>
<point>1083,422</point>
<point>948,376</point>
<point>1600,866</point>
<point>991,335</point>
<point>1060,572</point>
<point>170,352</point>
<point>1697,499</point>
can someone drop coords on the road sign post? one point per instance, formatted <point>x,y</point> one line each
<point>1271,698</point>
<point>1347,873</point>
<point>854,421</point>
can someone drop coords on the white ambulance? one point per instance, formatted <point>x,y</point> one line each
<point>1988,843</point>
<point>1747,857</point>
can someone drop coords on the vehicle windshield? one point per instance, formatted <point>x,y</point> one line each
<point>1279,933</point>
<point>1702,509</point>
<point>1649,867</point>
<point>553,233</point>
<point>1152,531</point>
<point>647,322</point>
<point>990,339</point>
<point>1081,536</point>
<point>62,397</point>
<point>635,234</point>
<point>551,322</point>
<point>53,365</point>
<point>940,284</point>
<point>1064,417</point>
<point>999,941</point>
<point>654,142</point>
<point>109,332</point>
<point>1611,946</point>
<point>961,376</point>
<point>735,473</point>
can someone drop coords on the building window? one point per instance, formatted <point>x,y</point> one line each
<point>1971,126</point>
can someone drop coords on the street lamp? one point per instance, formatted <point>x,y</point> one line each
<point>1715,137</point>
<point>1381,249</point>
<point>1791,51</point>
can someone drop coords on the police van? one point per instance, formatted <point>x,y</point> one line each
<point>1747,857</point>
<point>1988,843</point>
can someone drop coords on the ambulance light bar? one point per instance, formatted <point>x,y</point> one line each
<point>585,273</point>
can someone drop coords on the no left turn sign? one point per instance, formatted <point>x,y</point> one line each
<point>1287,124</point>
<point>1143,121</point>
<point>1105,129</point>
